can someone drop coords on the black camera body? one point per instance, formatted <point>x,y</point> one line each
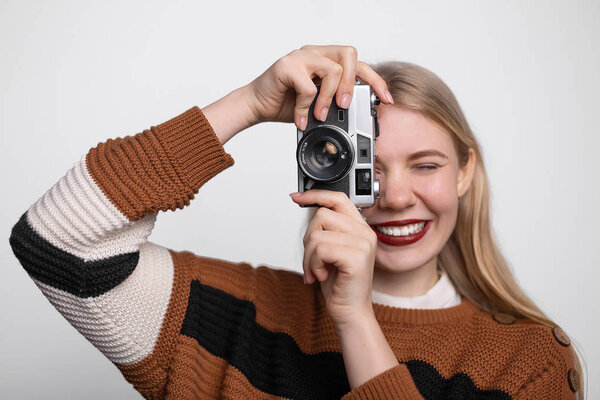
<point>339,153</point>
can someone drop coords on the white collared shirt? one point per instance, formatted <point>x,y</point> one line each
<point>442,295</point>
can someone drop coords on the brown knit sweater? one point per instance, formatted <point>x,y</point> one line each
<point>183,326</point>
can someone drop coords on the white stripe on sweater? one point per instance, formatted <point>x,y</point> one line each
<point>75,216</point>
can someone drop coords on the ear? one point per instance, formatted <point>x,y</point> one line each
<point>465,174</point>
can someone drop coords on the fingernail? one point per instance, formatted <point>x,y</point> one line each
<point>295,194</point>
<point>324,112</point>
<point>345,100</point>
<point>302,123</point>
<point>388,95</point>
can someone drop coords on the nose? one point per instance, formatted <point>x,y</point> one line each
<point>396,192</point>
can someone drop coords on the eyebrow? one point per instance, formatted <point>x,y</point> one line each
<point>425,153</point>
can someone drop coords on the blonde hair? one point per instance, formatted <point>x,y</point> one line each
<point>471,257</point>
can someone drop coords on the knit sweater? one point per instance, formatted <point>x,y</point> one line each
<point>183,326</point>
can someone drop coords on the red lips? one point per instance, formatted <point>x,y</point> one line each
<point>401,240</point>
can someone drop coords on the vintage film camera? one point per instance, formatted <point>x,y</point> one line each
<point>339,153</point>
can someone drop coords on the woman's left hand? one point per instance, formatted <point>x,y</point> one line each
<point>339,252</point>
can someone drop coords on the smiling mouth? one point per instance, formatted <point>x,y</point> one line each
<point>392,234</point>
<point>405,230</point>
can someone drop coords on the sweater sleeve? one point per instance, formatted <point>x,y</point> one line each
<point>395,383</point>
<point>84,242</point>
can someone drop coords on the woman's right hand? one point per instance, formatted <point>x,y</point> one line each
<point>285,91</point>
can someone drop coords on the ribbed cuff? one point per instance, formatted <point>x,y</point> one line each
<point>193,147</point>
<point>395,383</point>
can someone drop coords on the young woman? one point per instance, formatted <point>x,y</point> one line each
<point>408,299</point>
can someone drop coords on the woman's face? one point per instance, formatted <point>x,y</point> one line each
<point>420,179</point>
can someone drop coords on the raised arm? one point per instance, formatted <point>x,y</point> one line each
<point>84,242</point>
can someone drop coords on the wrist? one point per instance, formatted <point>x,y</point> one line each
<point>230,114</point>
<point>248,99</point>
<point>357,320</point>
<point>365,350</point>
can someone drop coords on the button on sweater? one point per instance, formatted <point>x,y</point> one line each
<point>184,326</point>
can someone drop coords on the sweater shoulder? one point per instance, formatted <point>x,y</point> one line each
<point>521,332</point>
<point>529,348</point>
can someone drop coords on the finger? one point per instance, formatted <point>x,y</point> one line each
<point>356,242</point>
<point>337,201</point>
<point>338,239</point>
<point>329,220</point>
<point>311,238</point>
<point>318,237</point>
<point>368,75</point>
<point>346,87</point>
<point>309,276</point>
<point>304,99</point>
<point>291,72</point>
<point>316,263</point>
<point>346,56</point>
<point>329,256</point>
<point>305,93</point>
<point>330,73</point>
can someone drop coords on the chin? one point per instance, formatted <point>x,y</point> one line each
<point>390,262</point>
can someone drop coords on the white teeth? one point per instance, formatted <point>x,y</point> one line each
<point>401,230</point>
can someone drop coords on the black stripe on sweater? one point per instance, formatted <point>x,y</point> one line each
<point>57,268</point>
<point>432,385</point>
<point>273,363</point>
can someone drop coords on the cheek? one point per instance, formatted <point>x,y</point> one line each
<point>438,191</point>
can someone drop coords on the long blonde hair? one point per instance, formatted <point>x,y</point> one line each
<point>471,257</point>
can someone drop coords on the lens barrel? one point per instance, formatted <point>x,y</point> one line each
<point>325,154</point>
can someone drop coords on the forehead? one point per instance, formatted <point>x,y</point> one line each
<point>404,131</point>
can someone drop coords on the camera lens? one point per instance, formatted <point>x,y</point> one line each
<point>325,154</point>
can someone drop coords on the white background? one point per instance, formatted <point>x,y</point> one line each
<point>75,73</point>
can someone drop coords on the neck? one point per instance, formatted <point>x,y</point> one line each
<point>415,282</point>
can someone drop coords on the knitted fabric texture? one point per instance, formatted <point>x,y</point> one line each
<point>182,326</point>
